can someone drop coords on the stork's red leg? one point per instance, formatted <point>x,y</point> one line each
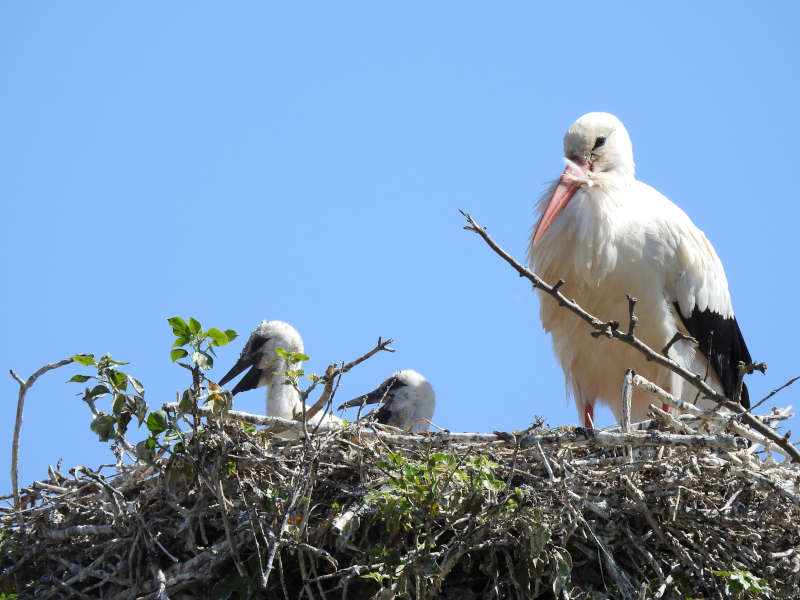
<point>588,415</point>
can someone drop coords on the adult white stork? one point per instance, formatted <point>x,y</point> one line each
<point>606,234</point>
<point>266,365</point>
<point>408,401</point>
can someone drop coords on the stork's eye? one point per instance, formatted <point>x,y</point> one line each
<point>598,143</point>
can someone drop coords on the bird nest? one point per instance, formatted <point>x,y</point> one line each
<point>369,512</point>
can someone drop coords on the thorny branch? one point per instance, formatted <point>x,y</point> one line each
<point>611,330</point>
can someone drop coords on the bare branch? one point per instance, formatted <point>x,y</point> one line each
<point>773,392</point>
<point>332,372</point>
<point>24,386</point>
<point>677,338</point>
<point>633,318</point>
<point>611,330</point>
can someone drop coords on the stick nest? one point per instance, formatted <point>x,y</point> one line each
<point>361,513</point>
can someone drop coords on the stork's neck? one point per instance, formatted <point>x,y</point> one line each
<point>281,397</point>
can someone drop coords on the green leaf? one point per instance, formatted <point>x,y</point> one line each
<point>194,326</point>
<point>181,341</point>
<point>119,403</point>
<point>231,334</point>
<point>144,451</point>
<point>299,357</point>
<point>86,360</point>
<point>99,390</point>
<point>137,385</point>
<point>281,352</point>
<point>187,402</point>
<point>171,435</point>
<point>179,327</point>
<point>203,361</point>
<point>119,379</point>
<point>79,378</point>
<point>157,421</point>
<point>492,484</point>
<point>178,448</point>
<point>140,409</point>
<point>177,353</point>
<point>563,571</point>
<point>218,338</point>
<point>103,426</point>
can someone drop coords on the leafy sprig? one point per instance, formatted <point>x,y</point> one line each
<point>111,381</point>
<point>200,343</point>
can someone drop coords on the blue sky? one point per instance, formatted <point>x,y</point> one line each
<point>305,163</point>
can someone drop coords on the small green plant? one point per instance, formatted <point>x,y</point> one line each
<point>740,584</point>
<point>201,343</point>
<point>294,375</point>
<point>113,382</point>
<point>419,490</point>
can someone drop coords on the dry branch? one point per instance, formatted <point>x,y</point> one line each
<point>333,372</point>
<point>24,386</point>
<point>611,329</point>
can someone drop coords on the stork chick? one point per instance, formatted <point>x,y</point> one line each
<point>407,400</point>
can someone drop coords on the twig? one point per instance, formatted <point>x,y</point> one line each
<point>24,386</point>
<point>677,338</point>
<point>332,372</point>
<point>704,413</point>
<point>612,331</point>
<point>633,319</point>
<point>627,393</point>
<point>773,392</point>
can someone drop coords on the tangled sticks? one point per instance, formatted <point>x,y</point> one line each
<point>359,512</point>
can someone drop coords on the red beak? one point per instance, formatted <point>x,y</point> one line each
<point>571,180</point>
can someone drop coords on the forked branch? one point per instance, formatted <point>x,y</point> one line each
<point>334,372</point>
<point>611,330</point>
<point>24,386</point>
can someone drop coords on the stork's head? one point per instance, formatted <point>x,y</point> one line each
<point>261,356</point>
<point>599,143</point>
<point>276,334</point>
<point>414,387</point>
<point>408,401</point>
<point>599,153</point>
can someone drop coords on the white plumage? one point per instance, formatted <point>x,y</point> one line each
<point>606,234</point>
<point>407,400</point>
<point>265,365</point>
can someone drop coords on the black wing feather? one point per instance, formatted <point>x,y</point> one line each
<point>721,342</point>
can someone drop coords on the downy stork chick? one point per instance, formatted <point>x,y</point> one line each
<point>407,400</point>
<point>265,365</point>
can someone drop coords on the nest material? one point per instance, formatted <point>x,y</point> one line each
<point>359,513</point>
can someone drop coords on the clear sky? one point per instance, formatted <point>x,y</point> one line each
<point>305,162</point>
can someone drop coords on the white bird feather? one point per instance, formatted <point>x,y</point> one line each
<point>606,235</point>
